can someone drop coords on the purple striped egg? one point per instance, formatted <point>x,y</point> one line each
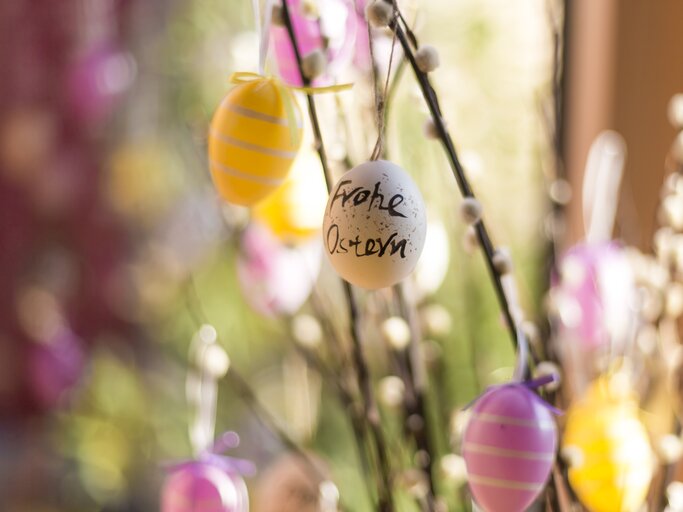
<point>509,446</point>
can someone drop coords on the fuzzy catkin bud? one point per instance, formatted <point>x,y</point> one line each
<point>548,368</point>
<point>307,330</point>
<point>502,262</point>
<point>215,361</point>
<point>676,111</point>
<point>669,448</point>
<point>379,13</point>
<point>391,391</point>
<point>572,455</point>
<point>397,332</point>
<point>453,467</point>
<point>277,17</point>
<point>470,210</point>
<point>309,9</point>
<point>437,320</point>
<point>429,129</point>
<point>313,64</point>
<point>427,58</point>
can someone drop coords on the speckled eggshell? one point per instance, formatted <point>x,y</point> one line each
<point>204,488</point>
<point>375,224</point>
<point>509,446</point>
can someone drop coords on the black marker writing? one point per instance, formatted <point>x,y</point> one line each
<point>360,195</point>
<point>369,247</point>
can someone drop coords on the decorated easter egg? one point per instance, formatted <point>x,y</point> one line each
<point>294,210</point>
<point>332,30</point>
<point>97,80</point>
<point>55,366</point>
<point>610,460</point>
<point>509,446</point>
<point>202,487</point>
<point>276,279</point>
<point>594,296</point>
<point>254,137</point>
<point>374,225</point>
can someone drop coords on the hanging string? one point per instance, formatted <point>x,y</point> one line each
<point>202,391</point>
<point>380,97</point>
<point>265,34</point>
<point>262,24</point>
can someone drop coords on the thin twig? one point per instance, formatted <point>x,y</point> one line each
<point>409,44</point>
<point>343,394</point>
<point>416,385</point>
<point>385,498</point>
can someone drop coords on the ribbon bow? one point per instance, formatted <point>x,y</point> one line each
<point>284,92</point>
<point>213,457</point>
<point>519,380</point>
<point>529,384</point>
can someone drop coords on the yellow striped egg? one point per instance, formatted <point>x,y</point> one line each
<point>254,137</point>
<point>294,211</point>
<point>611,461</point>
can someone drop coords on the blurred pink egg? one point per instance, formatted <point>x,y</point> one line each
<point>594,296</point>
<point>55,367</point>
<point>97,81</point>
<point>338,24</point>
<point>276,279</point>
<point>202,487</point>
<point>509,446</point>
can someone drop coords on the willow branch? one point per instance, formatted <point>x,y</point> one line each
<point>458,170</point>
<point>416,385</point>
<point>385,498</point>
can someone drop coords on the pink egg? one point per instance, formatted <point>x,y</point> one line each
<point>594,295</point>
<point>97,81</point>
<point>202,487</point>
<point>338,23</point>
<point>55,367</point>
<point>274,278</point>
<point>509,446</point>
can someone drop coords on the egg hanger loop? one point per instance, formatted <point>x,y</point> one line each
<point>202,391</point>
<point>601,182</point>
<point>381,96</point>
<point>262,24</point>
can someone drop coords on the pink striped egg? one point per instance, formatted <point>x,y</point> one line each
<point>334,32</point>
<point>594,294</point>
<point>202,487</point>
<point>509,446</point>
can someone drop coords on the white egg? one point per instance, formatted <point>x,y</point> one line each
<point>375,225</point>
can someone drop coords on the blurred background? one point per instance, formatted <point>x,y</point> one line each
<point>115,248</point>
